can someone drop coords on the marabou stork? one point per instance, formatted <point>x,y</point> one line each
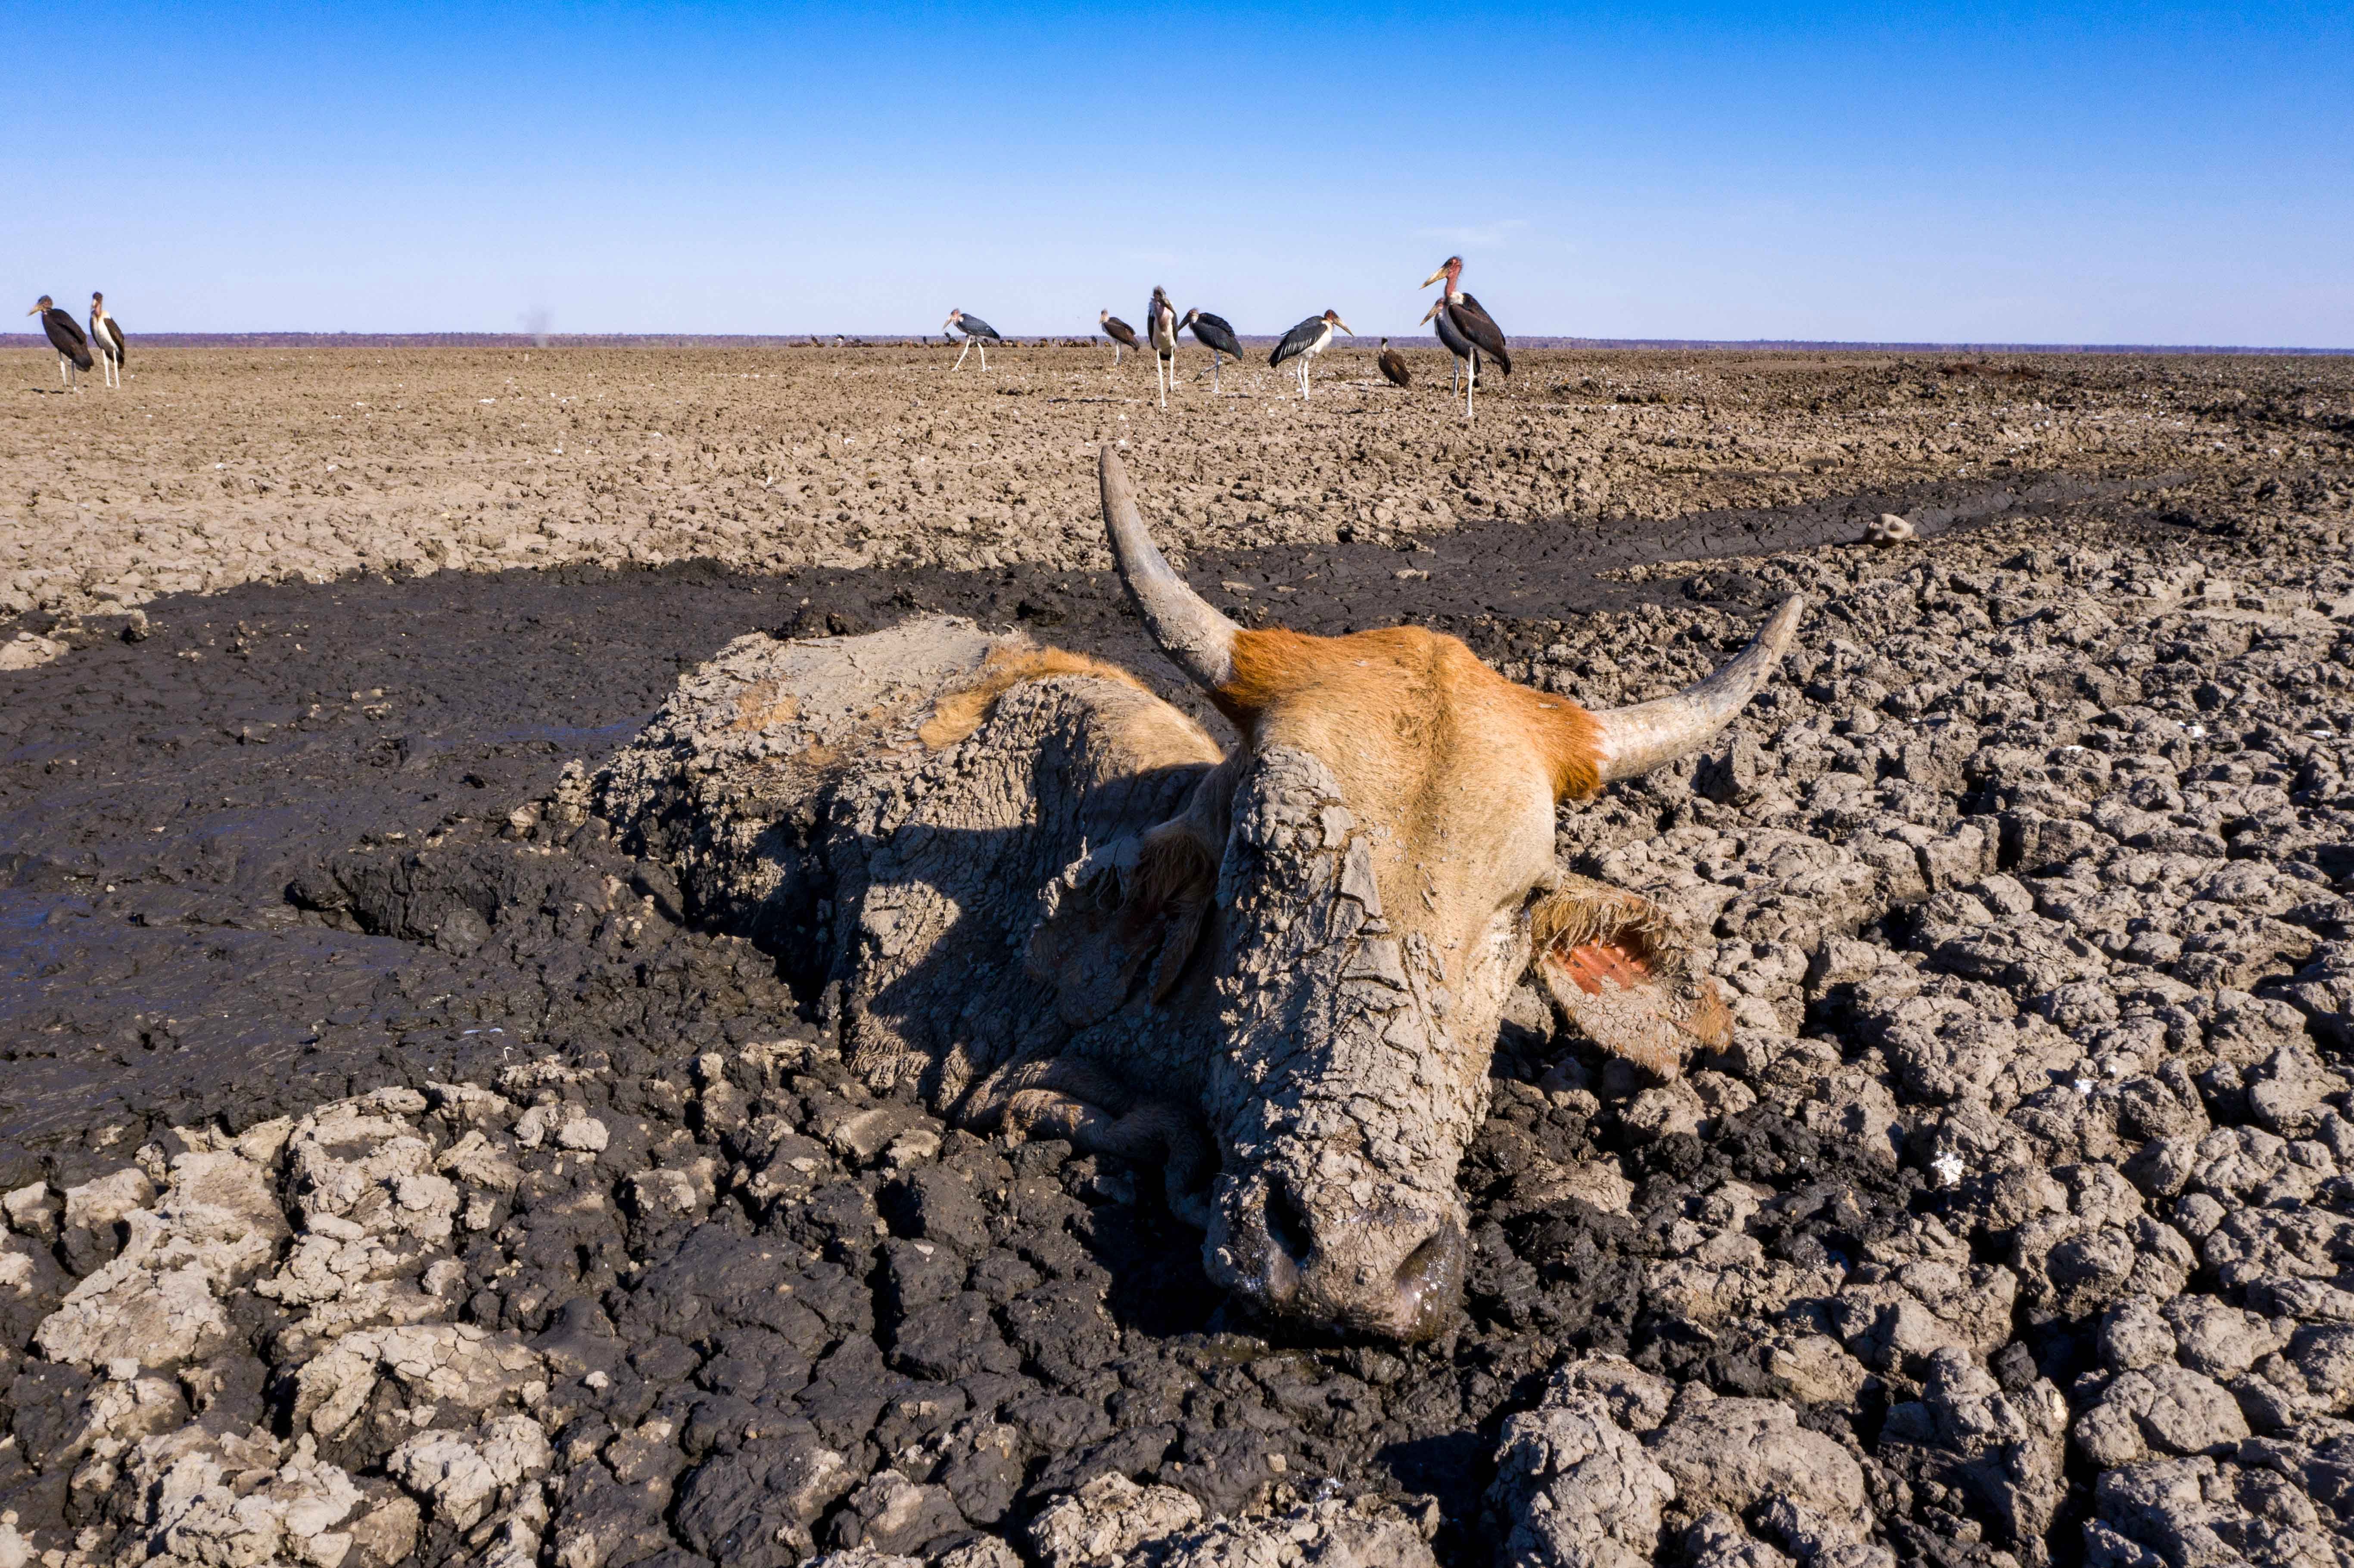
<point>1214,333</point>
<point>106,336</point>
<point>1122,335</point>
<point>1160,326</point>
<point>1472,323</point>
<point>1393,366</point>
<point>976,331</point>
<point>1305,341</point>
<point>73,348</point>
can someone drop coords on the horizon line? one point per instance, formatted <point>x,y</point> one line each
<point>272,339</point>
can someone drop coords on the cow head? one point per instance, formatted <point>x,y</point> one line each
<point>1358,887</point>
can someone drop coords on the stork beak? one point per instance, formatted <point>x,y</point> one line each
<point>1434,277</point>
<point>1345,327</point>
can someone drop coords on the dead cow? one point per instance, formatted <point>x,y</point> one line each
<point>1052,903</point>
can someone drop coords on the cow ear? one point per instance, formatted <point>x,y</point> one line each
<point>1617,966</point>
<point>1131,911</point>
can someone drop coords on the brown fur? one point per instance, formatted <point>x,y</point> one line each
<point>764,704</point>
<point>1172,862</point>
<point>1365,670</point>
<point>956,714</point>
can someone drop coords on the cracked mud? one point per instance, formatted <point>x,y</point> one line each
<point>393,1173</point>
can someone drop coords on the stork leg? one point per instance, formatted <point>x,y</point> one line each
<point>1115,356</point>
<point>984,355</point>
<point>962,352</point>
<point>1471,384</point>
<point>1214,372</point>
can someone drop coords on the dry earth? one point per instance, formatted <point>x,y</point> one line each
<point>217,467</point>
<point>396,1171</point>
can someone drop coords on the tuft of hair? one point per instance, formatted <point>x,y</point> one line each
<point>957,713</point>
<point>1583,912</point>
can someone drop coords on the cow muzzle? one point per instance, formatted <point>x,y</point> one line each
<point>1334,1250</point>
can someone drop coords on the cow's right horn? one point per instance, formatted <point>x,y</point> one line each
<point>1636,739</point>
<point>1196,637</point>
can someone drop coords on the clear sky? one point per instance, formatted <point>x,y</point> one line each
<point>2057,172</point>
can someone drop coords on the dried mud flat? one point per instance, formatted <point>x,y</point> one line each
<point>393,1172</point>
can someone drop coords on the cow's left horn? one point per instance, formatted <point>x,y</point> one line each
<point>1196,637</point>
<point>1636,741</point>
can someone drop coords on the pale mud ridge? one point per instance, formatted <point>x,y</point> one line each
<point>2017,1225</point>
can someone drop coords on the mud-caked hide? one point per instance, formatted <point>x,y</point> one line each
<point>1047,897</point>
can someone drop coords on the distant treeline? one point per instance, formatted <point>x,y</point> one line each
<point>830,340</point>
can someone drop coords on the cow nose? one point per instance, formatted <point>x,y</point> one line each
<point>1391,1269</point>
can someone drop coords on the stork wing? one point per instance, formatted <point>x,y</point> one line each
<point>1393,366</point>
<point>1295,342</point>
<point>975,327</point>
<point>1215,332</point>
<point>66,337</point>
<point>1477,325</point>
<point>1119,330</point>
<point>115,336</point>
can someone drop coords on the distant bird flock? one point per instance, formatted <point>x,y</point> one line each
<point>1464,327</point>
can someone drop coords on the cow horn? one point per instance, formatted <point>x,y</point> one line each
<point>1636,739</point>
<point>1196,637</point>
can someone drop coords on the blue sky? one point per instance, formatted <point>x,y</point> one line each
<point>2064,172</point>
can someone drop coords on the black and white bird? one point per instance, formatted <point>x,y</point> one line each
<point>1122,335</point>
<point>1213,333</point>
<point>1160,326</point>
<point>66,337</point>
<point>106,336</point>
<point>1393,366</point>
<point>976,331</point>
<point>1305,341</point>
<point>1455,342</point>
<point>1473,324</point>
